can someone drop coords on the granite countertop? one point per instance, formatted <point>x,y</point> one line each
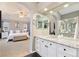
<point>71,42</point>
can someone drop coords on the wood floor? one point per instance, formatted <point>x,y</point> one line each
<point>14,49</point>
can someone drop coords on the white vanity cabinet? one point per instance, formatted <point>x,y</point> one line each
<point>47,48</point>
<point>41,46</point>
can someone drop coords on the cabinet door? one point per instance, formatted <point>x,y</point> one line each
<point>44,48</point>
<point>60,54</point>
<point>38,45</point>
<point>52,49</point>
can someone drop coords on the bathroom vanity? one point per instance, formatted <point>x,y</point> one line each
<point>48,46</point>
<point>64,43</point>
<point>61,37</point>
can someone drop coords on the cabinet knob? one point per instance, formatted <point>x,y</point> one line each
<point>64,49</point>
<point>42,41</point>
<point>64,56</point>
<point>46,46</point>
<point>50,44</point>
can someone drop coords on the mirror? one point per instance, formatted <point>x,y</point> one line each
<point>65,18</point>
<point>39,24</point>
<point>46,24</point>
<point>42,22</point>
<point>67,27</point>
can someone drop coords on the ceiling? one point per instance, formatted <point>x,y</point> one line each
<point>39,6</point>
<point>10,10</point>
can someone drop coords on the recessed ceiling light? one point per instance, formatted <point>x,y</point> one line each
<point>51,12</point>
<point>66,5</point>
<point>45,9</point>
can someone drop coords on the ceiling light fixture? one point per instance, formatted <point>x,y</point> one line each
<point>21,14</point>
<point>51,12</point>
<point>66,5</point>
<point>45,9</point>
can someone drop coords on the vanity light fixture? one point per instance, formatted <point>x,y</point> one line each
<point>50,12</point>
<point>45,9</point>
<point>66,5</point>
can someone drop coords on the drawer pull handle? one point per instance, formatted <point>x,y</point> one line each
<point>46,46</point>
<point>50,44</point>
<point>42,41</point>
<point>64,49</point>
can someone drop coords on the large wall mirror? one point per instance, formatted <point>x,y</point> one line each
<point>67,27</point>
<point>41,22</point>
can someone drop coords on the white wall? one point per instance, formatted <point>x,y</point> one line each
<point>14,25</point>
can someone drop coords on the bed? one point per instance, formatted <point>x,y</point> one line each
<point>14,36</point>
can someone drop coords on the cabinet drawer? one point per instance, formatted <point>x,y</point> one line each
<point>66,49</point>
<point>61,54</point>
<point>68,55</point>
